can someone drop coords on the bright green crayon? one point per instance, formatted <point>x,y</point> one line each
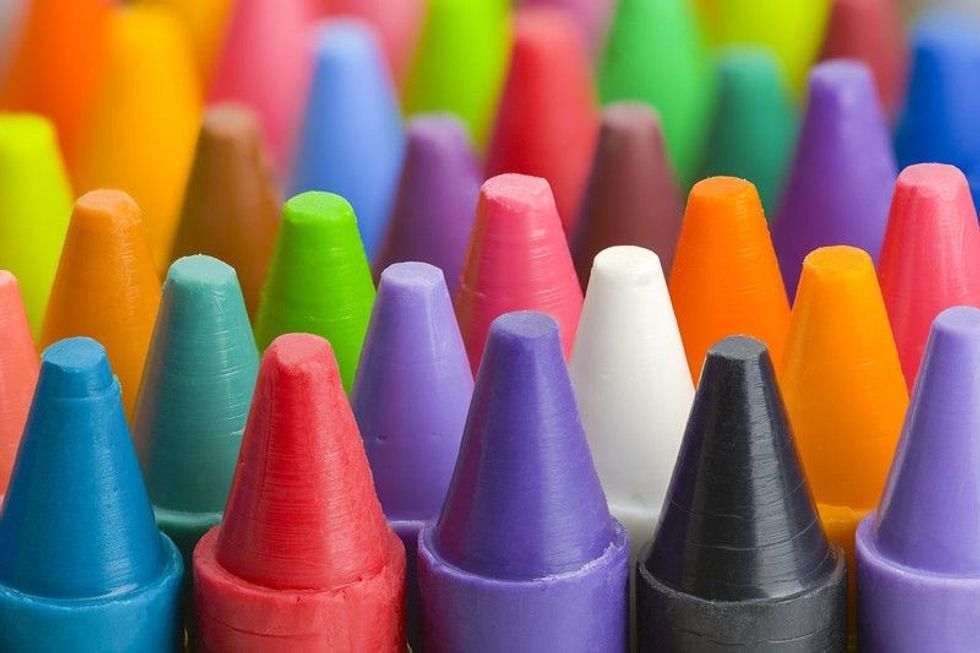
<point>319,281</point>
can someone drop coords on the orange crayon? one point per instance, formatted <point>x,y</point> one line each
<point>725,279</point>
<point>18,373</point>
<point>204,22</point>
<point>106,286</point>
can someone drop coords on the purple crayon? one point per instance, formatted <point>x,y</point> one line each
<point>410,397</point>
<point>840,184</point>
<point>437,194</point>
<point>525,556</point>
<point>918,557</point>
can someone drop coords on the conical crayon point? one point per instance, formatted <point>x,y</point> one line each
<point>80,551</point>
<point>433,211</point>
<point>754,127</point>
<point>18,373</point>
<point>351,142</point>
<point>36,198</point>
<point>204,23</point>
<point>303,554</point>
<point>930,259</point>
<point>398,23</point>
<point>591,17</point>
<point>725,277</point>
<point>843,172</point>
<point>106,286</point>
<point>739,541</point>
<point>632,384</point>
<point>231,203</point>
<point>525,519</point>
<point>632,197</point>
<point>547,122</point>
<point>319,280</point>
<point>918,562</point>
<point>518,259</point>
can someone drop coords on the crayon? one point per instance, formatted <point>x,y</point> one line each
<point>139,135</point>
<point>352,142</point>
<point>398,23</point>
<point>319,280</point>
<point>106,286</point>
<point>204,22</point>
<point>844,390</point>
<point>410,397</point>
<point>739,561</point>
<point>918,561</point>
<point>35,202</point>
<point>517,260</point>
<point>548,120</point>
<point>931,256</point>
<point>755,124</point>
<point>231,203</point>
<point>12,15</point>
<point>524,556</point>
<point>18,373</point>
<point>843,171</point>
<point>303,560</point>
<point>460,62</point>
<point>725,277</point>
<point>591,16</point>
<point>82,564</point>
<point>632,384</point>
<point>632,197</point>
<point>433,210</point>
<point>654,54</point>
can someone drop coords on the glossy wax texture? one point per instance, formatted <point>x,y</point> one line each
<point>231,203</point>
<point>654,54</point>
<point>398,23</point>
<point>525,556</point>
<point>632,196</point>
<point>319,280</point>
<point>843,171</point>
<point>106,287</point>
<point>82,565</point>
<point>410,397</point>
<point>548,120</point>
<point>931,256</point>
<point>433,211</point>
<point>739,561</point>
<point>35,199</point>
<point>918,561</point>
<point>725,278</point>
<point>632,384</point>
<point>18,372</point>
<point>351,142</point>
<point>591,17</point>
<point>303,560</point>
<point>518,259</point>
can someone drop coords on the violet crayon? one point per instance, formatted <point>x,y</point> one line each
<point>525,556</point>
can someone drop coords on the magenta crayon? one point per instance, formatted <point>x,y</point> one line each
<point>918,557</point>
<point>524,556</point>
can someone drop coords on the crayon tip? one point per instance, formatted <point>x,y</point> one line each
<point>843,171</point>
<point>518,259</point>
<point>590,16</point>
<point>18,373</point>
<point>930,259</point>
<point>433,210</point>
<point>398,23</point>
<point>204,23</point>
<point>725,277</point>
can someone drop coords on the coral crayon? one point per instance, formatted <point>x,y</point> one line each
<point>303,560</point>
<point>524,556</point>
<point>18,373</point>
<point>82,564</point>
<point>398,23</point>
<point>591,16</point>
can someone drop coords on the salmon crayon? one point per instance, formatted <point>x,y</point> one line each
<point>18,373</point>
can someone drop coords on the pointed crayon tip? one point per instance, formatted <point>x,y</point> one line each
<point>18,373</point>
<point>725,277</point>
<point>303,535</point>
<point>739,527</point>
<point>918,559</point>
<point>930,259</point>
<point>231,203</point>
<point>77,529</point>
<point>843,171</point>
<point>632,197</point>
<point>433,211</point>
<point>591,17</point>
<point>518,259</point>
<point>398,23</point>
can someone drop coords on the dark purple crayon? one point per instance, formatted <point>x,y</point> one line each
<point>525,556</point>
<point>740,561</point>
<point>410,397</point>
<point>436,201</point>
<point>840,185</point>
<point>918,558</point>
